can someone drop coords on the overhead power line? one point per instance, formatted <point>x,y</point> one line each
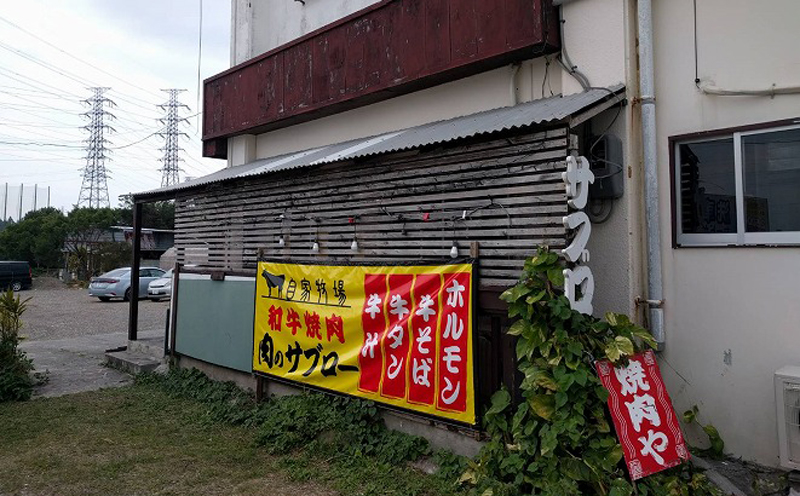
<point>80,59</point>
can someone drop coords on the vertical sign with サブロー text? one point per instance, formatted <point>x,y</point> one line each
<point>398,335</point>
<point>578,280</point>
<point>643,416</point>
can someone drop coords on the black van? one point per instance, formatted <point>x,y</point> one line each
<point>15,275</point>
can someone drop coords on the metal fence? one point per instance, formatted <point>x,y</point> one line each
<point>17,201</point>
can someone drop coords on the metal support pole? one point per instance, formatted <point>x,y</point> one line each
<point>5,205</point>
<point>133,318</point>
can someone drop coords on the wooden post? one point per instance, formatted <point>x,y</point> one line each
<point>133,317</point>
<point>259,389</point>
<point>474,249</point>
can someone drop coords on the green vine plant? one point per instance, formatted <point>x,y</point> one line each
<point>716,447</point>
<point>559,440</point>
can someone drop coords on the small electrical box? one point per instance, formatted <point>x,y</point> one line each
<point>606,162</point>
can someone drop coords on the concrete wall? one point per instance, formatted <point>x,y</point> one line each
<point>742,302</point>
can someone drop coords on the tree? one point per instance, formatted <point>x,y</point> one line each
<point>38,238</point>
<point>86,229</point>
<point>155,215</point>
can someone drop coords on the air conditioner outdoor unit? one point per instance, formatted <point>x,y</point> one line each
<point>787,396</point>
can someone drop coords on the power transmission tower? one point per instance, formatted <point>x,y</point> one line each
<point>94,189</point>
<point>170,170</point>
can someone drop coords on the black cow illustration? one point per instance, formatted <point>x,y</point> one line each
<point>274,281</point>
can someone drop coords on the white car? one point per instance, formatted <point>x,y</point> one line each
<point>161,288</point>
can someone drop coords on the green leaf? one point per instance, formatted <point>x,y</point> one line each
<point>530,300</point>
<point>620,487</point>
<point>469,476</point>
<point>621,346</point>
<point>543,379</point>
<point>500,401</point>
<point>690,416</point>
<point>537,260</point>
<point>581,376</point>
<point>556,276</point>
<point>625,345</point>
<point>717,444</point>
<point>514,293</point>
<point>543,405</point>
<point>517,328</point>
<point>645,336</point>
<point>525,348</point>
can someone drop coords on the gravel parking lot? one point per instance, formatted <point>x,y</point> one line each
<point>56,311</point>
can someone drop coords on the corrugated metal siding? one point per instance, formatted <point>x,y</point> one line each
<point>547,110</point>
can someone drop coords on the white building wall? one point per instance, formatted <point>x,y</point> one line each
<point>739,301</point>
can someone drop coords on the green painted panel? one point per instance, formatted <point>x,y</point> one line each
<point>215,320</point>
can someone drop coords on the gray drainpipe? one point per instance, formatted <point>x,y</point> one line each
<point>655,288</point>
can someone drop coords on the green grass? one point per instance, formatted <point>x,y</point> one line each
<point>141,440</point>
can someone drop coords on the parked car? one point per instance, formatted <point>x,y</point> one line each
<point>117,283</point>
<point>15,275</point>
<point>161,288</point>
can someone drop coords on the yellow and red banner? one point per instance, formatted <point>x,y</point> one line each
<point>398,335</point>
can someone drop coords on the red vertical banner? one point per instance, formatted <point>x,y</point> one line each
<point>373,322</point>
<point>424,323</point>
<point>396,341</point>
<point>453,353</point>
<point>644,419</point>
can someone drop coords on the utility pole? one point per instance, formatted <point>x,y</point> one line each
<point>170,170</point>
<point>94,189</point>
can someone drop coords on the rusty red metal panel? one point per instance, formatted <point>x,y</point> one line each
<point>520,22</point>
<point>327,67</point>
<point>355,68</point>
<point>387,49</point>
<point>489,18</point>
<point>464,30</point>
<point>437,35</point>
<point>376,64</point>
<point>269,89</point>
<point>409,46</point>
<point>297,78</point>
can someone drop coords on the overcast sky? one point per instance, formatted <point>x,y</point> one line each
<point>47,52</point>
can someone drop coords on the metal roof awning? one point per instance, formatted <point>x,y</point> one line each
<point>571,109</point>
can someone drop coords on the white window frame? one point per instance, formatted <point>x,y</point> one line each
<point>740,237</point>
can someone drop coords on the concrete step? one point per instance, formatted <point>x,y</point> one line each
<point>132,362</point>
<point>151,346</point>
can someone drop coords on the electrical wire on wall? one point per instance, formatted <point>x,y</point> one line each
<point>709,89</point>
<point>598,210</point>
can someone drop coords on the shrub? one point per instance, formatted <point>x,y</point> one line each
<point>558,441</point>
<point>16,382</point>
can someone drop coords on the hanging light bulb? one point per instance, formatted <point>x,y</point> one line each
<point>315,247</point>
<point>354,245</point>
<point>281,242</point>
<point>454,250</point>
